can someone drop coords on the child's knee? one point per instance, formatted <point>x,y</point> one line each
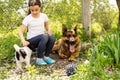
<point>52,37</point>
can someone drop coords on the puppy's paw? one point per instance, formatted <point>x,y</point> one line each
<point>18,70</point>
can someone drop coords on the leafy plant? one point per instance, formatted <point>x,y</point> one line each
<point>95,69</point>
<point>112,44</point>
<point>6,45</point>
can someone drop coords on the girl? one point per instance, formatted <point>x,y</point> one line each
<point>37,22</point>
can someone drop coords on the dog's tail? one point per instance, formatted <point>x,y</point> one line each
<point>17,48</point>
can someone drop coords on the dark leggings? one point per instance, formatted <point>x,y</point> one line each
<point>44,44</point>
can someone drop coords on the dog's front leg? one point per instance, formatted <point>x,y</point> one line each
<point>19,66</point>
<point>73,56</point>
<point>63,56</point>
<point>28,63</point>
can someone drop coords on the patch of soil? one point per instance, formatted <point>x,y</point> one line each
<point>58,69</point>
<point>59,66</point>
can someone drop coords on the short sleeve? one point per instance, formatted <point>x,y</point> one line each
<point>25,21</point>
<point>46,18</point>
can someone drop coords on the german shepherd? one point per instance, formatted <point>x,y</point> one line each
<point>69,44</point>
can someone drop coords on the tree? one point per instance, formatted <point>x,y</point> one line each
<point>118,4</point>
<point>86,17</point>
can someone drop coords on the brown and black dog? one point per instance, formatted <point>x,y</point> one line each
<point>68,46</point>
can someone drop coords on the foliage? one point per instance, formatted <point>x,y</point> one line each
<point>56,28</point>
<point>9,14</point>
<point>6,45</point>
<point>66,12</point>
<point>103,60</point>
<point>112,44</point>
<point>104,13</point>
<point>100,66</point>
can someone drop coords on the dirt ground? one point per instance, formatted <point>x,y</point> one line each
<point>59,65</point>
<point>58,69</point>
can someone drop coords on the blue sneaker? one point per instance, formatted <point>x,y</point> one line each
<point>40,62</point>
<point>48,60</point>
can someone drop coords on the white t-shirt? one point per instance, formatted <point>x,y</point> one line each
<point>35,25</point>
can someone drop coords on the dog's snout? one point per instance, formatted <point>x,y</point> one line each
<point>72,42</point>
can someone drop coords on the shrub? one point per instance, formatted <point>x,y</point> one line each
<point>6,45</point>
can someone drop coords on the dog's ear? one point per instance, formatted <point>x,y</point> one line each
<point>64,29</point>
<point>75,29</point>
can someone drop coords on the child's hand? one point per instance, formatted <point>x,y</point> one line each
<point>25,43</point>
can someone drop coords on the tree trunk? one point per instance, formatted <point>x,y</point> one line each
<point>86,17</point>
<point>118,4</point>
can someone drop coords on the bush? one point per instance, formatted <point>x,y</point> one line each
<point>6,45</point>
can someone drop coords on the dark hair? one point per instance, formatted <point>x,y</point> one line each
<point>33,3</point>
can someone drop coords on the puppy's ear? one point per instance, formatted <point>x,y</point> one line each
<point>23,53</point>
<point>17,55</point>
<point>64,29</point>
<point>75,29</point>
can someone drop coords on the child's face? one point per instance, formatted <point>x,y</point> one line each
<point>35,10</point>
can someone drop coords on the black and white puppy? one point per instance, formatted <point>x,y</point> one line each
<point>22,55</point>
